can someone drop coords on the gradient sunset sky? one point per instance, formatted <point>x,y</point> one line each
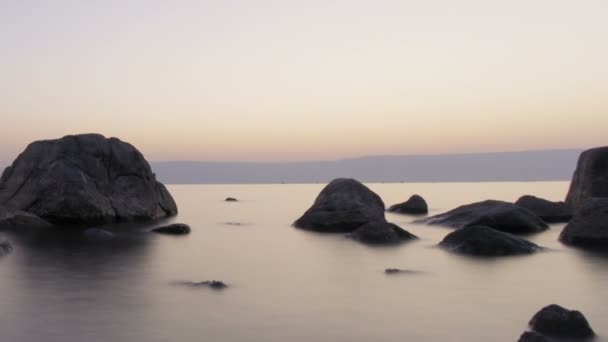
<point>305,80</point>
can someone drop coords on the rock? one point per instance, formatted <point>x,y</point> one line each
<point>590,178</point>
<point>20,219</point>
<point>415,205</point>
<point>173,229</point>
<point>381,233</point>
<point>342,206</point>
<point>214,284</point>
<point>98,234</point>
<point>5,248</point>
<point>550,212</point>
<point>503,216</point>
<point>231,199</point>
<point>531,336</point>
<point>84,179</point>
<point>556,321</point>
<point>589,225</point>
<point>398,271</point>
<point>486,241</point>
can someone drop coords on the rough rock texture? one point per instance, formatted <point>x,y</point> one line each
<point>5,248</point>
<point>415,205</point>
<point>19,219</point>
<point>381,233</point>
<point>486,241</point>
<point>550,212</point>
<point>589,225</point>
<point>84,179</point>
<point>173,229</point>
<point>590,178</point>
<point>531,336</point>
<point>559,322</point>
<point>503,216</point>
<point>342,206</point>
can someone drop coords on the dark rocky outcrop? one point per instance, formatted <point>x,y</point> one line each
<point>20,219</point>
<point>5,248</point>
<point>231,199</point>
<point>415,205</point>
<point>84,179</point>
<point>342,206</point>
<point>556,321</point>
<point>381,233</point>
<point>589,225</point>
<point>173,229</point>
<point>550,212</point>
<point>531,336</point>
<point>486,241</point>
<point>590,178</point>
<point>503,216</point>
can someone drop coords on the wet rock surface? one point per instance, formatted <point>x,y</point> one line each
<point>173,229</point>
<point>381,233</point>
<point>486,241</point>
<point>589,225</point>
<point>550,212</point>
<point>559,322</point>
<point>590,178</point>
<point>415,205</point>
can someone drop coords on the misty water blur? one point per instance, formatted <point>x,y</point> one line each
<point>287,284</point>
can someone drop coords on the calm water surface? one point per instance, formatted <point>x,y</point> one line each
<point>289,284</point>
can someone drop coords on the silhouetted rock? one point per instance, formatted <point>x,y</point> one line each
<point>415,205</point>
<point>173,229</point>
<point>590,178</point>
<point>531,336</point>
<point>486,241</point>
<point>20,219</point>
<point>231,199</point>
<point>589,225</point>
<point>84,179</point>
<point>550,212</point>
<point>556,321</point>
<point>5,248</point>
<point>398,271</point>
<point>503,216</point>
<point>98,234</point>
<point>213,284</point>
<point>381,233</point>
<point>342,206</point>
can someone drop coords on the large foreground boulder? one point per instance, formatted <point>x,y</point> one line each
<point>590,178</point>
<point>342,206</point>
<point>381,233</point>
<point>486,241</point>
<point>589,225</point>
<point>550,212</point>
<point>19,219</point>
<point>556,321</point>
<point>415,205</point>
<point>84,179</point>
<point>503,216</point>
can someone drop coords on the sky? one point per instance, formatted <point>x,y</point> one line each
<point>305,80</point>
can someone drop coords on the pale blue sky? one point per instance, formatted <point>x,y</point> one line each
<point>301,80</point>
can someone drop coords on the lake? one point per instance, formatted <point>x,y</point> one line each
<point>287,284</point>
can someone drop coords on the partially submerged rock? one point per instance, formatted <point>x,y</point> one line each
<point>503,216</point>
<point>5,248</point>
<point>556,321</point>
<point>486,241</point>
<point>342,206</point>
<point>20,219</point>
<point>84,179</point>
<point>398,271</point>
<point>381,233</point>
<point>590,178</point>
<point>551,212</point>
<point>531,336</point>
<point>213,284</point>
<point>231,199</point>
<point>173,229</point>
<point>415,205</point>
<point>589,225</point>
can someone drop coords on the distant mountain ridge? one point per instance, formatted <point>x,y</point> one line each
<point>546,165</point>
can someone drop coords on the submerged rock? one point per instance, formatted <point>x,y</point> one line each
<point>551,212</point>
<point>589,225</point>
<point>486,241</point>
<point>83,179</point>
<point>531,336</point>
<point>415,205</point>
<point>590,178</point>
<point>231,199</point>
<point>213,284</point>
<point>503,216</point>
<point>173,229</point>
<point>556,321</point>
<point>342,206</point>
<point>20,219</point>
<point>381,233</point>
<point>398,271</point>
<point>5,248</point>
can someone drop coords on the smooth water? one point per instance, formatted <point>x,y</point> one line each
<point>287,284</point>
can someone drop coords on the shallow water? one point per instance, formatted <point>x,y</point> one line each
<point>287,284</point>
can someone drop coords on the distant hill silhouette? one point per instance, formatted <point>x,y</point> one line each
<point>549,165</point>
